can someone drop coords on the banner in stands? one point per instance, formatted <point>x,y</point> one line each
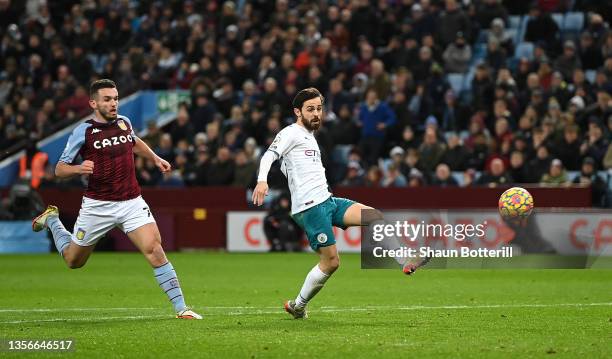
<point>575,232</point>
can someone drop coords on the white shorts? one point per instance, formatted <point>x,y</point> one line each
<point>98,217</point>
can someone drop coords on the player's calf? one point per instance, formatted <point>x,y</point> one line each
<point>76,256</point>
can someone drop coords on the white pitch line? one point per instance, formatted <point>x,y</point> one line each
<point>90,319</point>
<point>70,309</point>
<point>261,310</point>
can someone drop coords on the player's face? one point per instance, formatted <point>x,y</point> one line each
<point>311,114</point>
<point>106,103</point>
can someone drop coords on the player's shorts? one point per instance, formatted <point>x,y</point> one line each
<point>98,217</point>
<point>317,221</point>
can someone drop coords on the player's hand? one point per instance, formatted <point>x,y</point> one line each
<point>162,164</point>
<point>259,193</point>
<point>86,168</point>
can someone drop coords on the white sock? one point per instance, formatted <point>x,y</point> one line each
<point>312,285</point>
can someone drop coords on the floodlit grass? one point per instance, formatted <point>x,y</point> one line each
<point>113,308</point>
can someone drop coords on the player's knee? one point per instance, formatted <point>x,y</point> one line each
<point>371,215</point>
<point>155,254</point>
<point>331,264</point>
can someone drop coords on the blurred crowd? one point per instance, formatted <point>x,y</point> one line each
<point>417,92</point>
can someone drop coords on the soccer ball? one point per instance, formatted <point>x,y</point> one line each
<point>515,203</point>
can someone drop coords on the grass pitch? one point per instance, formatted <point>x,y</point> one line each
<point>113,308</point>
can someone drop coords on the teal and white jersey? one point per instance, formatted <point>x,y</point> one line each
<point>301,163</point>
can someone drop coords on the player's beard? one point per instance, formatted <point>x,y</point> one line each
<point>309,125</point>
<point>107,115</point>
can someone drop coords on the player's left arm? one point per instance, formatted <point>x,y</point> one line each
<point>143,150</point>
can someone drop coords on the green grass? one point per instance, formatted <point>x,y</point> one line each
<point>375,313</point>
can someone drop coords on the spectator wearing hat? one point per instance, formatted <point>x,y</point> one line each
<point>422,21</point>
<point>416,178</point>
<point>457,55</point>
<point>396,156</point>
<point>556,175</point>
<point>575,108</point>
<point>588,177</point>
<point>499,33</point>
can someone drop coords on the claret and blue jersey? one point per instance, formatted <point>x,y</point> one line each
<point>110,147</point>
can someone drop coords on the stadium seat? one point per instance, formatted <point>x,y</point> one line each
<point>513,34</point>
<point>524,49</point>
<point>480,52</point>
<point>573,22</point>
<point>514,22</point>
<point>483,36</point>
<point>456,82</point>
<point>558,17</point>
<point>458,176</point>
<point>467,82</point>
<point>522,29</point>
<point>590,75</point>
<point>571,175</point>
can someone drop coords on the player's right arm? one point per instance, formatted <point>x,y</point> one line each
<point>280,146</point>
<point>64,170</point>
<point>65,167</point>
<point>261,190</point>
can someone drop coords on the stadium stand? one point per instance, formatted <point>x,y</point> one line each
<point>243,61</point>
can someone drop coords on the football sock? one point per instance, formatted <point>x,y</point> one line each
<point>166,277</point>
<point>312,285</point>
<point>61,236</point>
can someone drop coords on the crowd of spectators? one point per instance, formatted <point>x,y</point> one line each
<point>393,116</point>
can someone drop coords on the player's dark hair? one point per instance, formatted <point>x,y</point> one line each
<point>100,84</point>
<point>305,95</point>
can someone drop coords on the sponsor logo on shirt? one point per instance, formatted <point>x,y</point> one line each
<point>113,141</point>
<point>311,153</point>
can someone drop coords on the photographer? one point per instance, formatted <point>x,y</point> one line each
<point>280,229</point>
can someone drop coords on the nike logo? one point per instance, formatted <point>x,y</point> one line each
<point>96,130</point>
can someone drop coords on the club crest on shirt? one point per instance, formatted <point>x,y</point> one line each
<point>122,125</point>
<point>322,238</point>
<point>80,234</point>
